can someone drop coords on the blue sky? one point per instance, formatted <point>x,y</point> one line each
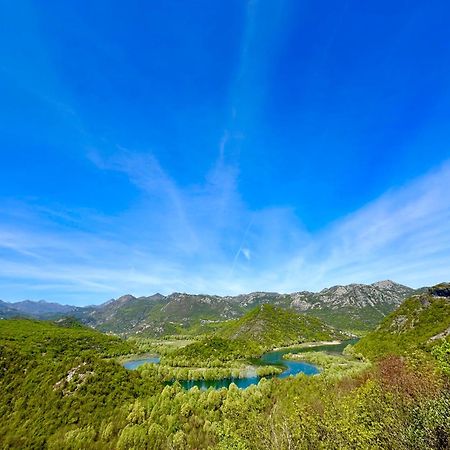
<point>222,147</point>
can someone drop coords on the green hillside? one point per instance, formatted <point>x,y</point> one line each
<point>61,390</point>
<point>421,322</point>
<point>213,352</point>
<point>125,315</point>
<point>354,307</point>
<point>356,319</point>
<point>271,326</point>
<point>63,339</point>
<point>56,378</point>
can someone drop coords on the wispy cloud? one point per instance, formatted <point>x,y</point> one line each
<point>187,239</point>
<point>404,234</point>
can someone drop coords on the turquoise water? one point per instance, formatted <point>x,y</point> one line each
<point>270,358</point>
<point>135,363</point>
<point>292,368</point>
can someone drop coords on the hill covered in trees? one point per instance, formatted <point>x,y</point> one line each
<point>261,329</point>
<point>271,326</point>
<point>55,379</point>
<point>420,323</point>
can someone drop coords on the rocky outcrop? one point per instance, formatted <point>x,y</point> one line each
<point>440,290</point>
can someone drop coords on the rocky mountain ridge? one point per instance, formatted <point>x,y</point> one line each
<point>348,307</point>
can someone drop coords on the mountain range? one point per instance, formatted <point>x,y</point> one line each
<point>38,309</point>
<point>354,307</point>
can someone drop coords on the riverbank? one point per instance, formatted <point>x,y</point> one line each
<point>239,371</point>
<point>135,357</point>
<point>334,365</point>
<point>307,345</point>
<point>281,363</point>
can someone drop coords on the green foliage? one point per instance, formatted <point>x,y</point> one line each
<point>331,365</point>
<point>164,346</point>
<point>270,327</point>
<point>416,324</point>
<point>193,315</point>
<point>358,320</point>
<point>237,370</point>
<point>41,338</point>
<point>442,353</point>
<point>58,388</point>
<point>212,352</point>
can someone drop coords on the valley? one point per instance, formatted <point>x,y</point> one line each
<point>270,378</point>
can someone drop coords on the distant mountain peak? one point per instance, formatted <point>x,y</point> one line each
<point>126,298</point>
<point>386,284</point>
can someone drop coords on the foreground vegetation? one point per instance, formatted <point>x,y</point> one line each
<point>55,379</point>
<point>61,389</point>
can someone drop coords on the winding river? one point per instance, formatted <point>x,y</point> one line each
<point>271,358</point>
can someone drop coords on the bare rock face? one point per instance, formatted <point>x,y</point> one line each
<point>440,336</point>
<point>301,301</point>
<point>362,295</point>
<point>398,324</point>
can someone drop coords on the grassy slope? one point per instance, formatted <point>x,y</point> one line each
<point>213,352</point>
<point>261,329</point>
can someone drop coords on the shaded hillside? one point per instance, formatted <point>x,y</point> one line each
<point>271,326</point>
<point>421,321</point>
<point>38,310</point>
<point>42,308</point>
<point>127,315</point>
<point>6,310</point>
<point>47,339</point>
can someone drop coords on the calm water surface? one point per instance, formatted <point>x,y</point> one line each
<point>270,358</point>
<point>135,363</point>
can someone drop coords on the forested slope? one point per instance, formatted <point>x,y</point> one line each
<point>420,323</point>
